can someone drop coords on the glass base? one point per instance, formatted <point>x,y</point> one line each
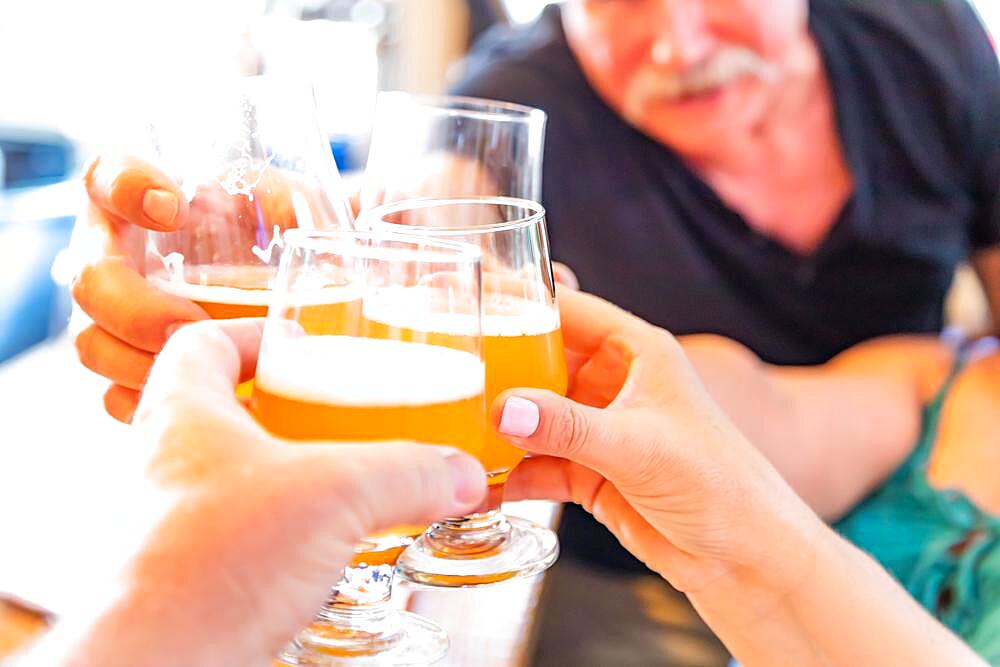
<point>415,641</point>
<point>448,556</point>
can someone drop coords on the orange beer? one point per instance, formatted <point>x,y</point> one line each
<point>343,388</point>
<point>522,347</point>
<point>318,311</point>
<point>519,352</point>
<point>358,389</point>
<point>231,294</point>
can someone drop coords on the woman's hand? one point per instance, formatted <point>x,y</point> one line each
<point>640,444</point>
<point>238,535</point>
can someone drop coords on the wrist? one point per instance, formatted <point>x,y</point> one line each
<point>781,556</point>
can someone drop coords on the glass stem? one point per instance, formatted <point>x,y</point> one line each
<point>357,619</point>
<point>478,533</point>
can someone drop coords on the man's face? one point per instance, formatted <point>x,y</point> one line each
<point>687,72</point>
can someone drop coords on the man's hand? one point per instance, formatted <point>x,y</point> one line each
<point>239,534</point>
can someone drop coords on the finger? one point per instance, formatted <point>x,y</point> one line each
<point>550,478</point>
<point>116,360</point>
<point>588,320</point>
<point>136,192</point>
<point>565,276</point>
<point>127,306</point>
<point>618,358</point>
<point>204,362</point>
<point>378,486</point>
<point>120,402</point>
<point>543,422</point>
<point>601,376</point>
<point>574,362</point>
<point>640,538</point>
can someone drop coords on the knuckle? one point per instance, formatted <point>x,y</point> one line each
<point>662,345</point>
<point>650,464</point>
<point>663,339</point>
<point>570,429</point>
<point>83,284</point>
<point>175,412</point>
<point>195,337</point>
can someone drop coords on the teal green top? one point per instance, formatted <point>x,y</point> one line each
<point>937,543</point>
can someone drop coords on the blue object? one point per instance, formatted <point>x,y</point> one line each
<point>35,225</point>
<point>36,220</point>
<point>344,153</point>
<point>34,157</point>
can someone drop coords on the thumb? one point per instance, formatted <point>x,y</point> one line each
<point>543,422</point>
<point>201,364</point>
<point>377,486</point>
<point>135,191</point>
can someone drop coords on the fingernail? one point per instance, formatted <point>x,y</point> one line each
<point>519,417</point>
<point>467,475</point>
<point>160,206</point>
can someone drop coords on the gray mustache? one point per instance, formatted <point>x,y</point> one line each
<point>721,67</point>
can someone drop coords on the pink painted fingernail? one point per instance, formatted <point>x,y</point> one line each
<point>519,418</point>
<point>160,206</point>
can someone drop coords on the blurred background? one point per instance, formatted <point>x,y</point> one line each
<point>75,75</point>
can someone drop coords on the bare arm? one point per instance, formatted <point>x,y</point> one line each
<point>846,610</point>
<point>833,431</point>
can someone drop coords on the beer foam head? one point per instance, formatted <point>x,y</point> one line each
<point>346,370</point>
<point>503,316</point>
<point>534,320</point>
<point>238,296</point>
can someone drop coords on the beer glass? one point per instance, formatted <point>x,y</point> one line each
<point>522,347</point>
<point>445,146</point>
<point>325,373</point>
<point>251,161</point>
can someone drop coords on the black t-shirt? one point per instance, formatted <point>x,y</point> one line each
<point>916,88</point>
<point>917,94</point>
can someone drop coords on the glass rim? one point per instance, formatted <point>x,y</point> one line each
<point>424,249</point>
<point>378,214</point>
<point>448,105</point>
